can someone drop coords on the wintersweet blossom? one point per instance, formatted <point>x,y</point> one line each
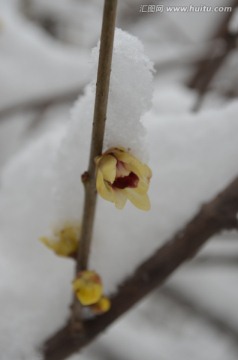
<point>65,240</point>
<point>121,176</point>
<point>102,306</point>
<point>88,287</point>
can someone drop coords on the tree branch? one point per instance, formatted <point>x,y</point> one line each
<point>215,216</point>
<point>99,120</point>
<point>207,69</point>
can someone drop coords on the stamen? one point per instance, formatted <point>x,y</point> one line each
<point>130,181</point>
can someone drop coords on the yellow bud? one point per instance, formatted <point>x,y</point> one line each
<point>88,287</point>
<point>65,242</point>
<point>102,306</point>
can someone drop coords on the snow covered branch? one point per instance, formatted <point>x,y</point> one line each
<point>215,216</point>
<point>100,111</point>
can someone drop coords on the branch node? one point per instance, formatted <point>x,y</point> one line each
<point>85,177</point>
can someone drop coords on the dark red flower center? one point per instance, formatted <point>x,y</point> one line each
<point>129,181</point>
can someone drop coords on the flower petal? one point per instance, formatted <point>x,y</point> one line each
<point>120,198</point>
<point>49,243</point>
<point>140,201</point>
<point>107,166</point>
<point>121,170</point>
<point>139,168</point>
<point>103,188</point>
<point>133,164</point>
<point>142,187</point>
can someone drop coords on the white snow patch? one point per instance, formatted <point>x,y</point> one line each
<point>34,66</point>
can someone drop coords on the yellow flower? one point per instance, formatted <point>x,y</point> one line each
<point>120,176</point>
<point>88,287</point>
<point>102,306</point>
<point>65,240</point>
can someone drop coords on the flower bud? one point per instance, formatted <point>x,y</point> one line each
<point>102,306</point>
<point>64,242</point>
<point>88,287</point>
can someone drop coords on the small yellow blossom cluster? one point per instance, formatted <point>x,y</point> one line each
<point>65,240</point>
<point>88,288</point>
<point>88,285</point>
<point>121,176</point>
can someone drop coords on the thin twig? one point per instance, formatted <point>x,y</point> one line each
<point>100,110</point>
<point>212,67</point>
<point>215,216</point>
<point>207,70</point>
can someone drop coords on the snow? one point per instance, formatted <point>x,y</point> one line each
<point>14,128</point>
<point>50,67</point>
<point>181,98</point>
<point>192,156</point>
<point>25,263</point>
